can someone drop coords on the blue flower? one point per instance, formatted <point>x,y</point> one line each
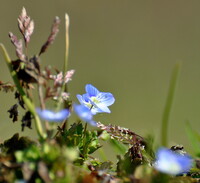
<point>95,100</point>
<point>53,116</point>
<point>172,163</point>
<point>85,114</point>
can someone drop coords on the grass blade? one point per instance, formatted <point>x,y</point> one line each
<point>168,105</point>
<point>194,138</point>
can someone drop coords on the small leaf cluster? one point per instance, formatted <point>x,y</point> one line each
<point>87,143</point>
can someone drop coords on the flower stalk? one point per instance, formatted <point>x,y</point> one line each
<point>26,100</point>
<point>66,42</point>
<point>64,85</point>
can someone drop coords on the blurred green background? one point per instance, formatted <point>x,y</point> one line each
<point>126,47</point>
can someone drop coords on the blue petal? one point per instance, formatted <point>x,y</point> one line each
<point>80,98</point>
<point>84,113</point>
<point>53,116</point>
<point>62,115</point>
<point>172,163</point>
<point>106,98</point>
<point>103,108</point>
<point>91,90</point>
<point>96,101</point>
<point>92,123</point>
<point>185,162</point>
<point>98,107</point>
<point>96,110</point>
<point>83,98</point>
<point>86,97</point>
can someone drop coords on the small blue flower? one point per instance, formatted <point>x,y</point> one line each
<point>172,163</point>
<point>85,114</point>
<point>53,116</point>
<point>95,100</point>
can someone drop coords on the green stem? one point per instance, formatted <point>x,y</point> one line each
<point>64,86</point>
<point>168,105</point>
<point>26,100</point>
<point>84,136</point>
<point>84,140</point>
<point>66,43</point>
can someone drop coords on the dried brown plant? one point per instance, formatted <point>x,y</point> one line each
<point>52,36</point>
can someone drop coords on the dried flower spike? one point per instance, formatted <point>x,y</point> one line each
<point>68,76</point>
<point>26,26</point>
<point>59,79</point>
<point>18,46</point>
<point>52,36</point>
<point>124,135</point>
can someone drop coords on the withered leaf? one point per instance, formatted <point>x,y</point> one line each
<point>6,87</point>
<point>16,143</point>
<point>26,121</point>
<point>21,72</point>
<point>14,112</point>
<point>130,161</point>
<point>29,71</point>
<point>20,100</point>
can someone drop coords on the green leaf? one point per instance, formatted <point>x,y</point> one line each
<point>73,136</point>
<point>105,166</point>
<point>119,147</point>
<point>194,138</point>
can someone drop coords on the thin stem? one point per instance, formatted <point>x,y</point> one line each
<point>66,43</point>
<point>84,140</point>
<point>168,105</point>
<point>42,103</point>
<point>84,136</point>
<point>64,86</point>
<point>26,100</point>
<point>26,49</point>
<point>40,93</point>
<point>85,130</point>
